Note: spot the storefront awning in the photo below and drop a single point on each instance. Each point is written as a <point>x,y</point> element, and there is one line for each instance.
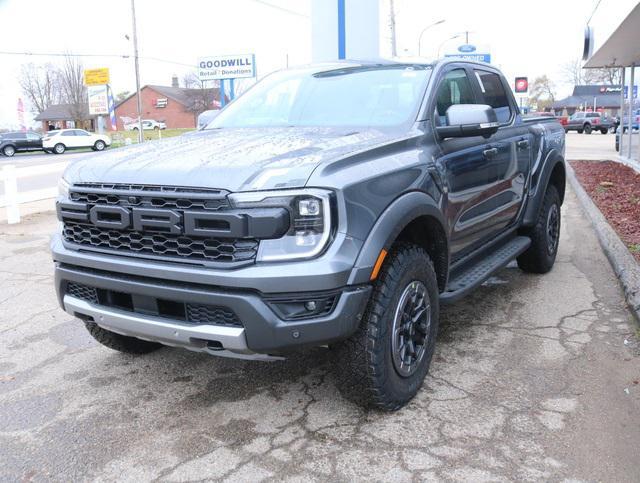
<point>622,49</point>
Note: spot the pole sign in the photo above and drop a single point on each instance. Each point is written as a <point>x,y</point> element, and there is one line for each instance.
<point>96,77</point>
<point>471,52</point>
<point>522,85</point>
<point>227,67</point>
<point>626,92</point>
<point>98,100</point>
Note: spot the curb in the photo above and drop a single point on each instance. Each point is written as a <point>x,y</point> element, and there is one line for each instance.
<point>624,265</point>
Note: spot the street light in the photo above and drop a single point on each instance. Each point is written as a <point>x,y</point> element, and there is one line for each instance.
<point>456,36</point>
<point>423,31</point>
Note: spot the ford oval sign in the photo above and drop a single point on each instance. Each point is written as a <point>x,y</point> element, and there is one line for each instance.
<point>467,48</point>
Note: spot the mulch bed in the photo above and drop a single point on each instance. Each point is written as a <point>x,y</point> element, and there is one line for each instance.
<point>615,189</point>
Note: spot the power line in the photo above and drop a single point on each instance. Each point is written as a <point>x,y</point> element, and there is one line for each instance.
<point>594,11</point>
<point>292,12</point>
<point>70,54</point>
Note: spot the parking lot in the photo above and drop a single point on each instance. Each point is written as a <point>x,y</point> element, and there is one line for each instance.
<point>534,378</point>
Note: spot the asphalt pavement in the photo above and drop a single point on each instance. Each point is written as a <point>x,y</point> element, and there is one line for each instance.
<point>534,378</point>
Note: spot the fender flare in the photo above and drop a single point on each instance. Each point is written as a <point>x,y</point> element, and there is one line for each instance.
<point>533,206</point>
<point>390,223</point>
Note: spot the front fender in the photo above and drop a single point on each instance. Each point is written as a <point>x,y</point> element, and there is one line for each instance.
<point>539,188</point>
<point>390,223</point>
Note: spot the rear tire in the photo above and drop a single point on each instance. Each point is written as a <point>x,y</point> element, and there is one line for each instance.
<point>384,363</point>
<point>545,236</point>
<point>59,148</point>
<point>604,131</point>
<point>580,131</point>
<point>99,145</point>
<point>588,129</point>
<point>120,343</point>
<point>8,151</point>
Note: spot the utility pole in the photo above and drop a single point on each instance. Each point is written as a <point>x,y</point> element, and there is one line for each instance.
<point>392,25</point>
<point>137,65</point>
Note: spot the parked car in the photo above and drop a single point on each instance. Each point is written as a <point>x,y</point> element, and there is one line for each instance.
<point>20,141</point>
<point>635,122</point>
<point>147,125</point>
<point>586,122</point>
<point>59,141</point>
<point>341,212</point>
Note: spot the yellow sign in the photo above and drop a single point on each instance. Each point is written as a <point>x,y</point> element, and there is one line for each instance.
<point>96,77</point>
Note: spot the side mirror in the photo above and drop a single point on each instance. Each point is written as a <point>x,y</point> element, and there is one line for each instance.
<point>467,120</point>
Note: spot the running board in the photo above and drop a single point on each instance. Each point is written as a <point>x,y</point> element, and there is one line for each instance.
<point>476,274</point>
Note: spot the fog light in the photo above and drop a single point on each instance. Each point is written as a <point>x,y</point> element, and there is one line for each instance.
<point>311,305</point>
<point>303,308</point>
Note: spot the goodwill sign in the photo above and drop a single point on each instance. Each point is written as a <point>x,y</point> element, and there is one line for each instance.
<point>227,67</point>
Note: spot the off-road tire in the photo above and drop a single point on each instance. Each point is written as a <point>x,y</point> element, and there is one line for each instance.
<point>121,343</point>
<point>539,258</point>
<point>364,368</point>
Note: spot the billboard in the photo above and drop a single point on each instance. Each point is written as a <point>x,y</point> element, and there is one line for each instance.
<point>98,100</point>
<point>227,67</point>
<point>96,77</point>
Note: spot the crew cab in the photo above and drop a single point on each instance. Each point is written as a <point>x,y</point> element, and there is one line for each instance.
<point>587,122</point>
<point>332,205</point>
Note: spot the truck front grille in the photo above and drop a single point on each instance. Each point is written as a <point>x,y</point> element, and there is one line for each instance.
<point>188,311</point>
<point>155,243</point>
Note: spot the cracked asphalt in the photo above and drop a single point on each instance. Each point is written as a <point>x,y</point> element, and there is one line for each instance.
<point>534,378</point>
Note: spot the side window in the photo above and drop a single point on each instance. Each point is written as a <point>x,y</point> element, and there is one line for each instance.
<point>494,94</point>
<point>454,88</point>
<point>69,133</point>
<point>32,136</point>
<point>19,136</point>
<point>80,132</point>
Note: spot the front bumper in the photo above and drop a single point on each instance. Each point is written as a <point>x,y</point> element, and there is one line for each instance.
<point>262,332</point>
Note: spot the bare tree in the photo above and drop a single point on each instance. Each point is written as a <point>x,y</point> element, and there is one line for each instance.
<point>542,92</point>
<point>72,86</point>
<point>576,75</point>
<point>201,96</point>
<point>40,85</point>
<point>122,95</point>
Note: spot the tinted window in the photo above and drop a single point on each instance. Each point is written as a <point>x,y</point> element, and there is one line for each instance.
<point>68,133</point>
<point>18,135</point>
<point>455,88</point>
<point>33,136</point>
<point>494,94</point>
<point>593,114</point>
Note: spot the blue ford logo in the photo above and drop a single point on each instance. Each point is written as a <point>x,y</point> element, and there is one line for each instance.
<point>467,48</point>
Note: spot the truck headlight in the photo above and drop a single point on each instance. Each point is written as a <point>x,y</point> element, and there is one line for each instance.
<point>310,225</point>
<point>63,188</point>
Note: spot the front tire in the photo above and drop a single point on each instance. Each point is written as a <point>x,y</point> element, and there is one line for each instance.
<point>59,148</point>
<point>604,131</point>
<point>384,363</point>
<point>545,236</point>
<point>9,151</point>
<point>99,145</point>
<point>588,129</point>
<point>120,343</point>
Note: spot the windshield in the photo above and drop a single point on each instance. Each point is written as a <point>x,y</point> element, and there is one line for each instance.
<point>350,96</point>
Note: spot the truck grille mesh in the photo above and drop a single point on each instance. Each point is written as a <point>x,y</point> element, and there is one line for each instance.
<point>151,243</point>
<point>83,292</point>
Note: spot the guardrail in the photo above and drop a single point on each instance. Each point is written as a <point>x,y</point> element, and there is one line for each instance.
<point>12,199</point>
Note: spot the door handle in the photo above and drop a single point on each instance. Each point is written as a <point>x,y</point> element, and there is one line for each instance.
<point>490,153</point>
<point>523,144</point>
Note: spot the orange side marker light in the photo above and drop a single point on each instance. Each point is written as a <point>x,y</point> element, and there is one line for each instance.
<point>378,265</point>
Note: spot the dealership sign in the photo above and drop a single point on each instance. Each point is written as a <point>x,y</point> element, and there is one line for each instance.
<point>98,100</point>
<point>522,85</point>
<point>227,67</point>
<point>96,77</point>
<point>471,52</point>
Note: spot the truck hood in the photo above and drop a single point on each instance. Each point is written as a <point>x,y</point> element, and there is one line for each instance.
<point>243,159</point>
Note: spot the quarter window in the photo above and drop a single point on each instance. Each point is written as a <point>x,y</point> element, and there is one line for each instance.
<point>494,94</point>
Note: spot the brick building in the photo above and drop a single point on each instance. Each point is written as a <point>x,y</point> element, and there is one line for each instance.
<point>178,107</point>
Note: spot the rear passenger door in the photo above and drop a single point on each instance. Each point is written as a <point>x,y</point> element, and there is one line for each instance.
<point>508,165</point>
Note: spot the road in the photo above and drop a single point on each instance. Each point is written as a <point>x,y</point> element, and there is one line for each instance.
<point>534,378</point>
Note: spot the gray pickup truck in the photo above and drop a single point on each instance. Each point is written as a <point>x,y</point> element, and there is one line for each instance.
<point>333,205</point>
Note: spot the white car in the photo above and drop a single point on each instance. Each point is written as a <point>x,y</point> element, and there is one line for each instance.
<point>59,141</point>
<point>147,124</point>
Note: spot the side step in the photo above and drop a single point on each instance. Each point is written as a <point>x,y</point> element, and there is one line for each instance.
<point>476,274</point>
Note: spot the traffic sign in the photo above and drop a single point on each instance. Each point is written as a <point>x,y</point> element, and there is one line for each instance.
<point>96,77</point>
<point>522,85</point>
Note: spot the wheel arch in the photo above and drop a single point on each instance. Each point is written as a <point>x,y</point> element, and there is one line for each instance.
<point>414,217</point>
<point>553,172</point>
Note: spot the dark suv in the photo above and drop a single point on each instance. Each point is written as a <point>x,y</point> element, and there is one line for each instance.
<point>587,122</point>
<point>333,205</point>
<point>13,142</point>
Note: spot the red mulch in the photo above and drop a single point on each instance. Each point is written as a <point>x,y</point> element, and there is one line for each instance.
<point>615,189</point>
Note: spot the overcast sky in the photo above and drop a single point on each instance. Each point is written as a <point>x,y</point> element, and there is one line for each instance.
<point>526,38</point>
